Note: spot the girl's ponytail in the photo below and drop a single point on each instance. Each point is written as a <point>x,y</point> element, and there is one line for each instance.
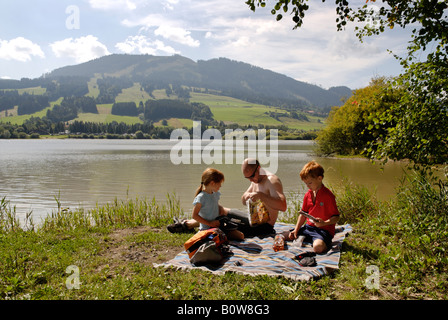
<point>208,176</point>
<point>199,190</point>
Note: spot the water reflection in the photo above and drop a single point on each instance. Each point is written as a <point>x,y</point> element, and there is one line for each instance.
<point>85,172</point>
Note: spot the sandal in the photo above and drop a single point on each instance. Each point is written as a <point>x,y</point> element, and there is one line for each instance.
<point>178,226</point>
<point>307,259</point>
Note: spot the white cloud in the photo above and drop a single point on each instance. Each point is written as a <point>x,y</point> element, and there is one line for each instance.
<point>315,53</point>
<point>143,45</point>
<point>178,35</point>
<point>169,4</point>
<point>113,4</point>
<point>151,20</point>
<point>81,49</point>
<point>165,27</point>
<point>20,49</point>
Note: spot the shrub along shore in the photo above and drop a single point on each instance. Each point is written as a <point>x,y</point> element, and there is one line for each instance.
<point>108,252</point>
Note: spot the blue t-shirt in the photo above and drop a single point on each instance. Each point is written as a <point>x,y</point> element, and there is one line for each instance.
<point>209,207</point>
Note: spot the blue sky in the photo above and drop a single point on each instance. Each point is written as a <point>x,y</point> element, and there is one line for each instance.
<point>38,36</point>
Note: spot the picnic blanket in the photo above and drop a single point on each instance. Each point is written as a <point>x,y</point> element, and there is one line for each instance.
<point>255,256</point>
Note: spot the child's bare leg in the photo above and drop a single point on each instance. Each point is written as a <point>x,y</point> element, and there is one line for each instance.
<point>319,246</point>
<point>235,235</point>
<point>191,224</point>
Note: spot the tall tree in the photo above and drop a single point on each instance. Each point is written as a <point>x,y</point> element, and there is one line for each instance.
<point>420,117</point>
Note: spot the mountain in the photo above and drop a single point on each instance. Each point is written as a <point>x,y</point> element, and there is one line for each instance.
<point>232,78</point>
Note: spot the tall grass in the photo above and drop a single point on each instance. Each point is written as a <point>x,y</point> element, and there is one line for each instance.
<point>422,219</point>
<point>354,201</point>
<point>406,237</point>
<point>9,221</point>
<point>415,221</point>
<point>116,214</point>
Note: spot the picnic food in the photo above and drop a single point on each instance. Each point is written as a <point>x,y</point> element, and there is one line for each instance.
<point>258,213</point>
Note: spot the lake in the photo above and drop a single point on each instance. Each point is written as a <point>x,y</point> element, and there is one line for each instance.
<point>83,173</point>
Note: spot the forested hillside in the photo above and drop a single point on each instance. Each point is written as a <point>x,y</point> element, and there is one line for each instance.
<point>168,91</point>
<point>226,77</point>
<point>232,78</point>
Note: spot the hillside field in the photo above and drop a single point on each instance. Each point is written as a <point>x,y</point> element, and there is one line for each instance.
<point>226,109</point>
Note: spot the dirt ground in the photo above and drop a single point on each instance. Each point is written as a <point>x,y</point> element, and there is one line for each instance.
<point>119,250</point>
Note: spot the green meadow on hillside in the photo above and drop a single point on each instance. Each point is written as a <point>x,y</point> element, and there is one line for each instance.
<point>226,109</point>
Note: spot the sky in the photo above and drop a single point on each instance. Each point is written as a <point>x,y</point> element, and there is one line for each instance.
<point>38,36</point>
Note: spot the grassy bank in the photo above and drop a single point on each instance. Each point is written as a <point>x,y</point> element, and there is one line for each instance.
<point>113,247</point>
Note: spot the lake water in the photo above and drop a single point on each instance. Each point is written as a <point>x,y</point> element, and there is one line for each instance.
<point>83,173</point>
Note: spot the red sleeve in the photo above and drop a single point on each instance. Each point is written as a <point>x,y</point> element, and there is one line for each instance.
<point>333,208</point>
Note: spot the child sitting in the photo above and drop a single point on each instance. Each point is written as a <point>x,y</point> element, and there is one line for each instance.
<point>319,202</point>
<point>206,208</point>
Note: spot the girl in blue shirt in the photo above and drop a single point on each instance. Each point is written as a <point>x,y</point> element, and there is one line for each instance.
<point>206,208</point>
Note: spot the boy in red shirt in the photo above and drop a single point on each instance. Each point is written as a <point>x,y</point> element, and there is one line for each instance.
<point>319,202</point>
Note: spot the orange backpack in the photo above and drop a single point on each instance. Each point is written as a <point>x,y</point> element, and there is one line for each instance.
<point>214,234</point>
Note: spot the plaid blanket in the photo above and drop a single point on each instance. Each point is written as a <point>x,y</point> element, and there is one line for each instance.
<point>255,256</point>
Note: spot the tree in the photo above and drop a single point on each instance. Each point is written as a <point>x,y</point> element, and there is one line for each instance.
<point>429,15</point>
<point>125,109</point>
<point>420,117</point>
<point>139,135</point>
<point>30,104</point>
<point>351,127</point>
